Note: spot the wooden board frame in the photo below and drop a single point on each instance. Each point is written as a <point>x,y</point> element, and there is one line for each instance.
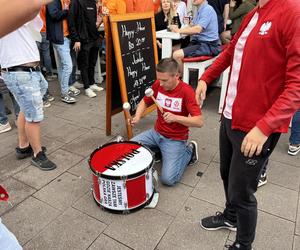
<point>114,19</point>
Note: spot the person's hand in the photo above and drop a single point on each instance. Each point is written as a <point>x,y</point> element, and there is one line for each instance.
<point>253,142</point>
<point>200,94</point>
<point>169,117</point>
<point>134,120</point>
<point>159,44</point>
<point>77,46</point>
<point>174,28</point>
<point>105,11</point>
<point>232,3</point>
<point>99,21</point>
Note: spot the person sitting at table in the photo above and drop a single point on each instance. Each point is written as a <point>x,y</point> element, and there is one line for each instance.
<point>180,8</point>
<point>163,19</point>
<point>178,111</point>
<point>203,31</point>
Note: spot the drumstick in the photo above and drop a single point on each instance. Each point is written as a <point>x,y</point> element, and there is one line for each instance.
<point>127,107</point>
<point>149,93</point>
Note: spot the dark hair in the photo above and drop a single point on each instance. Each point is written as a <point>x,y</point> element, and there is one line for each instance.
<point>238,3</point>
<point>168,65</point>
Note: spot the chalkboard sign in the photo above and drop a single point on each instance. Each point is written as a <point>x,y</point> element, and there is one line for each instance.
<point>136,54</point>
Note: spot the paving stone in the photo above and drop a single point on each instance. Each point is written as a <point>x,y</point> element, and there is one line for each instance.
<point>296,245</point>
<point>8,144</point>
<point>210,187</point>
<point>52,123</point>
<point>185,231</point>
<point>191,174</point>
<point>87,205</point>
<point>171,199</point>
<point>140,230</point>
<point>62,192</point>
<point>82,169</point>
<point>72,230</point>
<point>17,192</point>
<point>29,218</point>
<point>87,143</point>
<point>272,233</point>
<point>297,231</point>
<point>51,144</point>
<point>37,178</point>
<point>106,243</point>
<point>66,132</point>
<point>284,175</point>
<point>9,165</point>
<point>278,201</point>
<point>280,152</point>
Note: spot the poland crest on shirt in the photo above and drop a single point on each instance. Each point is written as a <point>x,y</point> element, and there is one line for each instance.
<point>170,103</point>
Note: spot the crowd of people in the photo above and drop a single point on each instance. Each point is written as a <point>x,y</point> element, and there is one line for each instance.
<point>248,132</point>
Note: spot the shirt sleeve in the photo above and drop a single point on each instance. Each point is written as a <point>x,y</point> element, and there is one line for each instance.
<point>190,102</point>
<point>204,19</point>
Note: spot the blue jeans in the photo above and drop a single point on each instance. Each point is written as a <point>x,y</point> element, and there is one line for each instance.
<point>72,78</point>
<point>3,116</point>
<point>295,130</point>
<point>64,64</point>
<point>28,89</point>
<point>45,53</point>
<point>175,154</point>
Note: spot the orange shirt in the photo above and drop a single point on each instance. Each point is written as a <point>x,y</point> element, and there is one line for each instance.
<point>139,6</point>
<point>43,17</point>
<point>65,21</point>
<point>115,6</point>
<point>156,5</point>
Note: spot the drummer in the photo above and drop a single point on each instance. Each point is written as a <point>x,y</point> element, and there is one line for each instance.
<point>170,133</point>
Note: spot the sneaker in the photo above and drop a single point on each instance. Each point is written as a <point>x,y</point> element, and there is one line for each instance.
<point>90,93</point>
<point>78,85</point>
<point>42,162</point>
<point>217,222</point>
<point>22,153</point>
<point>46,104</point>
<point>5,127</point>
<point>157,157</point>
<point>262,180</point>
<point>68,99</point>
<point>49,97</point>
<point>195,156</point>
<point>73,91</point>
<point>94,87</point>
<point>236,246</point>
<point>7,110</point>
<point>294,149</point>
<point>51,77</point>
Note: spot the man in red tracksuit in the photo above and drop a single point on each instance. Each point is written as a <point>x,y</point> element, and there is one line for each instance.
<point>263,93</point>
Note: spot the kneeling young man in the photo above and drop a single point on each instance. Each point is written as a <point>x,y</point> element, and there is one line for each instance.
<point>170,132</point>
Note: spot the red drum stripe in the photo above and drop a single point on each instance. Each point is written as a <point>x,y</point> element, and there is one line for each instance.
<point>136,191</point>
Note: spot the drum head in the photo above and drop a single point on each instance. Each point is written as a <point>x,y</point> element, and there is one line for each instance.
<point>121,159</point>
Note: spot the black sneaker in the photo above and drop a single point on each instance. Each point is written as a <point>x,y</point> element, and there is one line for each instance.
<point>237,246</point>
<point>217,222</point>
<point>22,153</point>
<point>195,156</point>
<point>42,162</point>
<point>157,157</point>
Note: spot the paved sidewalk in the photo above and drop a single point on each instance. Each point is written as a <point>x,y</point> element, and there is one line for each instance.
<point>55,210</point>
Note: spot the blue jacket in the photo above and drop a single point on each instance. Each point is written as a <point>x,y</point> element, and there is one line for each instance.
<point>54,22</point>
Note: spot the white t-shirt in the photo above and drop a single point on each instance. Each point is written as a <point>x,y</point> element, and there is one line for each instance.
<point>181,10</point>
<point>236,66</point>
<point>19,47</point>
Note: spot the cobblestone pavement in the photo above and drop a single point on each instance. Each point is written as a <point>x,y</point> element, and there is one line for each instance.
<point>56,210</point>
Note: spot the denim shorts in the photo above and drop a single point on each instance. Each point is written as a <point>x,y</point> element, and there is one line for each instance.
<point>201,49</point>
<point>28,89</point>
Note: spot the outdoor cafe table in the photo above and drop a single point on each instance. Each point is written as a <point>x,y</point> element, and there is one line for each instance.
<point>167,39</point>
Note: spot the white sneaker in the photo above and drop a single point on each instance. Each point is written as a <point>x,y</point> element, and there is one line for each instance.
<point>294,149</point>
<point>96,88</point>
<point>90,93</point>
<point>73,91</point>
<point>4,127</point>
<point>78,85</point>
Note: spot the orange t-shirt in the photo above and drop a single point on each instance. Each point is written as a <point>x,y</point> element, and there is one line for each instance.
<point>65,21</point>
<point>156,5</point>
<point>139,6</point>
<point>115,6</point>
<point>43,17</point>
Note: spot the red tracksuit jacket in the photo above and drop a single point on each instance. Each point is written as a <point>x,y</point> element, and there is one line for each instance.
<point>268,89</point>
